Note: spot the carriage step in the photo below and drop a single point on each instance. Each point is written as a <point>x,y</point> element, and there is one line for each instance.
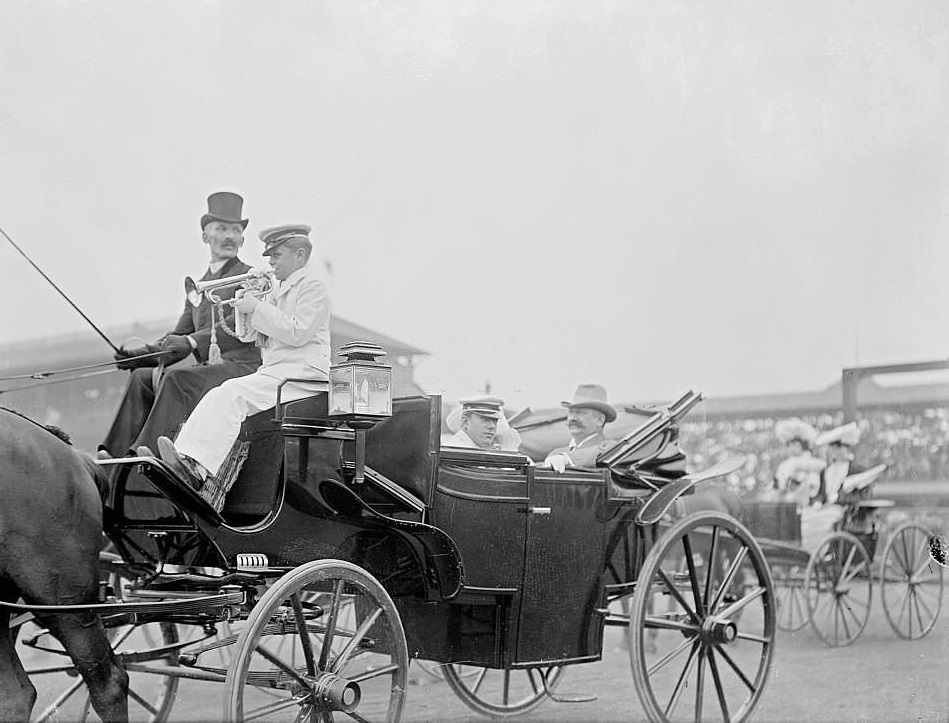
<point>556,698</point>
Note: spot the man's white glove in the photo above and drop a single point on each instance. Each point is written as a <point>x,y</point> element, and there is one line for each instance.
<point>557,462</point>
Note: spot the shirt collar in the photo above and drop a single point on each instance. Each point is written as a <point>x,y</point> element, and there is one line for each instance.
<point>293,278</point>
<point>574,445</point>
<point>215,266</point>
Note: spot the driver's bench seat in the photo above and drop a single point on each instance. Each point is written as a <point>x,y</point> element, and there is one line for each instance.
<point>254,493</point>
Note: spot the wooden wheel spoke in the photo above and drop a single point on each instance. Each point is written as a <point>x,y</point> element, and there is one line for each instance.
<point>285,667</point>
<point>713,555</point>
<point>729,578</point>
<point>270,708</point>
<point>743,602</point>
<point>656,623</point>
<point>304,633</point>
<point>678,596</point>
<point>693,575</point>
<point>668,657</point>
<point>700,683</point>
<point>355,640</point>
<point>142,702</point>
<point>681,682</point>
<point>735,667</point>
<point>331,624</point>
<point>719,686</point>
<point>52,710</point>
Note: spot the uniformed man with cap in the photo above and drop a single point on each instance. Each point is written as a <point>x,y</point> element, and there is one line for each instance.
<point>587,413</point>
<point>291,325</point>
<point>478,422</point>
<point>156,403</point>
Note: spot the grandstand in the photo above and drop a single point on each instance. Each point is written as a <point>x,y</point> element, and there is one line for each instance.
<point>905,426</point>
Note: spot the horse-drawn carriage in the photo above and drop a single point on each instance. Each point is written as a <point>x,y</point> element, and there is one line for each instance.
<point>829,582</point>
<point>346,549</point>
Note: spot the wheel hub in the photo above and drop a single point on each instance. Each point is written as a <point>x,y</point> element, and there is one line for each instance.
<point>334,693</point>
<point>719,631</point>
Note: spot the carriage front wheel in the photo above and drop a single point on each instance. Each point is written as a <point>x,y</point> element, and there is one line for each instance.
<point>702,627</point>
<point>325,642</point>
<point>910,582</point>
<point>839,589</point>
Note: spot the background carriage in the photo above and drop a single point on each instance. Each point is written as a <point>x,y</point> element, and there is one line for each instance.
<point>830,584</point>
<point>350,544</point>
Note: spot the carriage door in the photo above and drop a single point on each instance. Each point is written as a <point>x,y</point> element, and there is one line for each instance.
<point>563,569</point>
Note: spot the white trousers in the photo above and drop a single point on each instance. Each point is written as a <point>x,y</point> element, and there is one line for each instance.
<point>209,433</point>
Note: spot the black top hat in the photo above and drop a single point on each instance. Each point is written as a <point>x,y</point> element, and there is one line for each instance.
<point>224,206</point>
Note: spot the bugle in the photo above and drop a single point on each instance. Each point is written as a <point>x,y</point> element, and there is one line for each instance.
<point>257,282</point>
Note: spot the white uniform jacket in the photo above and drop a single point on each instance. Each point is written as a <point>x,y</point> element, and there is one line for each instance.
<point>292,326</point>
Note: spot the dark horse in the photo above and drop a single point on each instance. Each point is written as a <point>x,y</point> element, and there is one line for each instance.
<point>50,536</point>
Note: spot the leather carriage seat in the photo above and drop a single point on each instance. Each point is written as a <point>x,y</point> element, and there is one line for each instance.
<point>255,489</point>
<point>402,448</point>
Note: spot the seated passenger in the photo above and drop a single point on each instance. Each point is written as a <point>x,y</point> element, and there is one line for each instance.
<point>587,413</point>
<point>479,423</point>
<point>292,327</point>
<point>797,478</point>
<point>838,484</point>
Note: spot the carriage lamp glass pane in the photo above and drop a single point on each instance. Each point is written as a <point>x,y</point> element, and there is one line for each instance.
<point>357,389</point>
<point>373,391</point>
<point>341,390</point>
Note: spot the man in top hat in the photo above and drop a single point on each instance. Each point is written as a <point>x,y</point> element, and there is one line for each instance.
<point>155,403</point>
<point>292,328</point>
<point>479,423</point>
<point>587,413</point>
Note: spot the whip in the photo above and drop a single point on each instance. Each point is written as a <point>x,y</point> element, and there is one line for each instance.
<point>88,320</point>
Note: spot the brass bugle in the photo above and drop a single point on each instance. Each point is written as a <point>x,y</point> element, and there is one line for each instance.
<point>260,280</point>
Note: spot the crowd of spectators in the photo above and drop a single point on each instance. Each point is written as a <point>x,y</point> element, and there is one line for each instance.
<point>911,442</point>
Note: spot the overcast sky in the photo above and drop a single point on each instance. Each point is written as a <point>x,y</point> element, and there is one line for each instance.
<point>736,196</point>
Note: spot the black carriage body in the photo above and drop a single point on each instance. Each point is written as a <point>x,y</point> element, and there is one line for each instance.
<point>489,559</point>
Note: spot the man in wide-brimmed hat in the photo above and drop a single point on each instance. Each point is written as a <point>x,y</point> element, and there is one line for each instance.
<point>587,413</point>
<point>158,399</point>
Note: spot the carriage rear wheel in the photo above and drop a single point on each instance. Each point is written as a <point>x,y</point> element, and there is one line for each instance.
<point>502,693</point>
<point>789,593</point>
<point>910,582</point>
<point>839,589</point>
<point>62,693</point>
<point>702,635</point>
<point>324,642</point>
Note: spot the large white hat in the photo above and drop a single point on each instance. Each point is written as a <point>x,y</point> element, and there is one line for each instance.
<point>847,434</point>
<point>787,430</point>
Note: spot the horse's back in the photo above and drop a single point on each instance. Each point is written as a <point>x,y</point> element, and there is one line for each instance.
<point>51,516</point>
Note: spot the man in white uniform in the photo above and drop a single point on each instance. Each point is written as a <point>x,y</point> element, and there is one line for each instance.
<point>480,426</point>
<point>479,422</point>
<point>292,327</point>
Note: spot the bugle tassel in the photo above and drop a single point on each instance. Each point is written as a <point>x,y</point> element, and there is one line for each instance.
<point>214,351</point>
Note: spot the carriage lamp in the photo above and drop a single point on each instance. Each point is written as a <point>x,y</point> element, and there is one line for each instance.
<point>360,393</point>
